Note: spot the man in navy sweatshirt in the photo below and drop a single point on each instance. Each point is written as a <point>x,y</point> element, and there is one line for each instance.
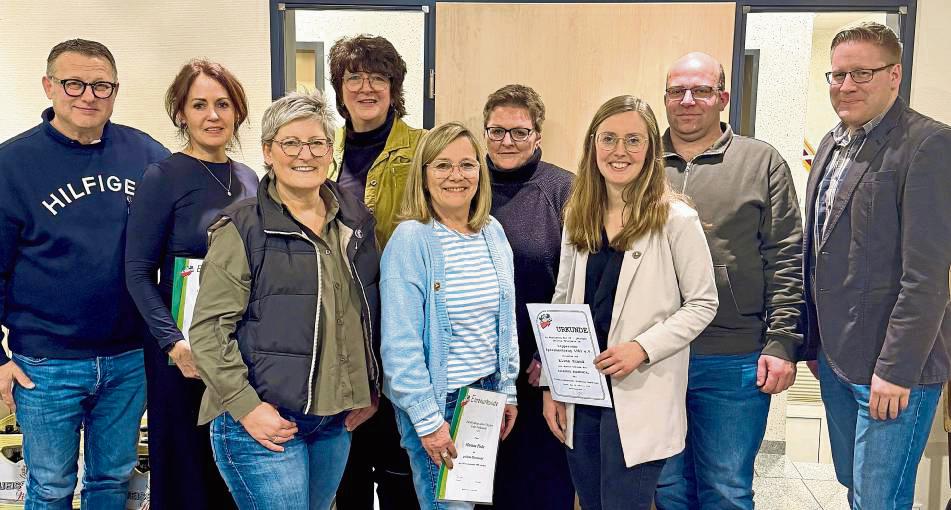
<point>65,188</point>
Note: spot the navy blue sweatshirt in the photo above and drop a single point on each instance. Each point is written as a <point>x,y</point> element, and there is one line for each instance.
<point>528,202</point>
<point>63,208</point>
<point>177,200</point>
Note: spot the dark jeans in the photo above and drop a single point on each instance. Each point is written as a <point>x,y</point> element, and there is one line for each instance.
<point>182,470</point>
<point>602,479</point>
<point>377,457</point>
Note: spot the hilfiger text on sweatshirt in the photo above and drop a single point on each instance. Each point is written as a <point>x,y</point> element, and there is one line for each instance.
<point>71,192</point>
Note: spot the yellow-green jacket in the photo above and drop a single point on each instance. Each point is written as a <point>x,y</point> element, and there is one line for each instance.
<point>386,180</point>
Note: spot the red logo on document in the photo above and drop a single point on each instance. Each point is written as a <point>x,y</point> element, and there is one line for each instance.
<point>544,320</point>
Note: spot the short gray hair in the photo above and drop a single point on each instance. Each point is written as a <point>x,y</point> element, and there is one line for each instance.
<point>297,106</point>
<point>86,48</point>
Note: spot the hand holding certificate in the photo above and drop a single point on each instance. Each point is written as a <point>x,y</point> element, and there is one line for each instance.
<point>185,291</point>
<point>185,274</point>
<point>476,426</point>
<point>568,344</point>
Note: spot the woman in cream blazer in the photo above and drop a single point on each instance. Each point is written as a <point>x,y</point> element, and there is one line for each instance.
<point>636,240</point>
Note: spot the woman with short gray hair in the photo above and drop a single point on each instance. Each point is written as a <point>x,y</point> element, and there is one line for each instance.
<point>285,330</point>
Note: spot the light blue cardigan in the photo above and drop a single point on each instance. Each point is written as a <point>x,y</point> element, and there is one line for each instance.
<point>415,323</point>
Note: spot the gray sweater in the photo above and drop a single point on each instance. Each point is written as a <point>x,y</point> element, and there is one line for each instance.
<point>744,193</point>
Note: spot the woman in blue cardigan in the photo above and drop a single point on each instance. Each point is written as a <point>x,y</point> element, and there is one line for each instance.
<point>448,302</point>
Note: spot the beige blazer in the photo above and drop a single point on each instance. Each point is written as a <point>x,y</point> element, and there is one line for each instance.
<point>666,295</point>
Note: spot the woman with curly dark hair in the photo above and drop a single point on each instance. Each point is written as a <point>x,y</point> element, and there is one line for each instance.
<point>372,155</point>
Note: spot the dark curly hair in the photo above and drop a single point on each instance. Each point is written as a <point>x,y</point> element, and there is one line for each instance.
<point>368,54</point>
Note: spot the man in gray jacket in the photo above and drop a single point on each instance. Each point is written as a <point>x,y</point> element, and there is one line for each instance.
<point>744,193</point>
<point>877,251</point>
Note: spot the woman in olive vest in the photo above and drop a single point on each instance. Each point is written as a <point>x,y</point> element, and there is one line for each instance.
<point>285,329</point>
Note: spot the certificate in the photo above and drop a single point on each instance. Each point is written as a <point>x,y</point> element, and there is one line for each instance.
<point>567,343</point>
<point>476,425</point>
<point>185,291</point>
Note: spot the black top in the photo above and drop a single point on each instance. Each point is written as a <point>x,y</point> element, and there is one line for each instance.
<point>528,202</point>
<point>600,286</point>
<point>360,150</point>
<point>175,203</point>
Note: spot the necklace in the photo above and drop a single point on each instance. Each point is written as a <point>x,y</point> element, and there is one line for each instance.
<point>230,175</point>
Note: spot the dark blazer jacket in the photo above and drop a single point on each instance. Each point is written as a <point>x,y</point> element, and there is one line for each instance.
<point>879,302</point>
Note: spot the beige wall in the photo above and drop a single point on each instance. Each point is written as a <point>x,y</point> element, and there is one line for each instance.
<point>575,55</point>
<point>150,40</point>
<point>931,76</point>
<point>931,95</point>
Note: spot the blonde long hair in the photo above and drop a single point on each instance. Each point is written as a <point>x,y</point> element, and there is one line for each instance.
<point>647,198</point>
<point>417,202</point>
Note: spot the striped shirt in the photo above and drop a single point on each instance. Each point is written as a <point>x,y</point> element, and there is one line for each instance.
<point>472,301</point>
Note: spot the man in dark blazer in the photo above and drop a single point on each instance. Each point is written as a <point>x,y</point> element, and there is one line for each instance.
<point>877,249</point>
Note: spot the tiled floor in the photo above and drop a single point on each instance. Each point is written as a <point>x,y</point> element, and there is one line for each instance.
<point>780,484</point>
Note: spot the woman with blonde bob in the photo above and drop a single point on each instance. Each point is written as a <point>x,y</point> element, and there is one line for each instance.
<point>635,252</point>
<point>448,302</point>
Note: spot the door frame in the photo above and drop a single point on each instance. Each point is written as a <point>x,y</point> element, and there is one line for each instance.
<point>907,13</point>
<point>278,9</point>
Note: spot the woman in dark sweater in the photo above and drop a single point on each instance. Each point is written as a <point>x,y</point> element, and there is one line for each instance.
<point>175,202</point>
<point>528,196</point>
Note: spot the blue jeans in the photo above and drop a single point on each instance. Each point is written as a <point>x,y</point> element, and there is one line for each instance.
<point>304,476</point>
<point>726,422</point>
<point>104,396</point>
<point>425,471</point>
<point>598,470</point>
<point>877,460</point>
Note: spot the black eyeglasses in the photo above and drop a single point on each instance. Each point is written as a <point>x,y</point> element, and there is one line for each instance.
<point>858,75</point>
<point>293,147</point>
<point>497,134</point>
<point>76,88</point>
<point>701,92</point>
